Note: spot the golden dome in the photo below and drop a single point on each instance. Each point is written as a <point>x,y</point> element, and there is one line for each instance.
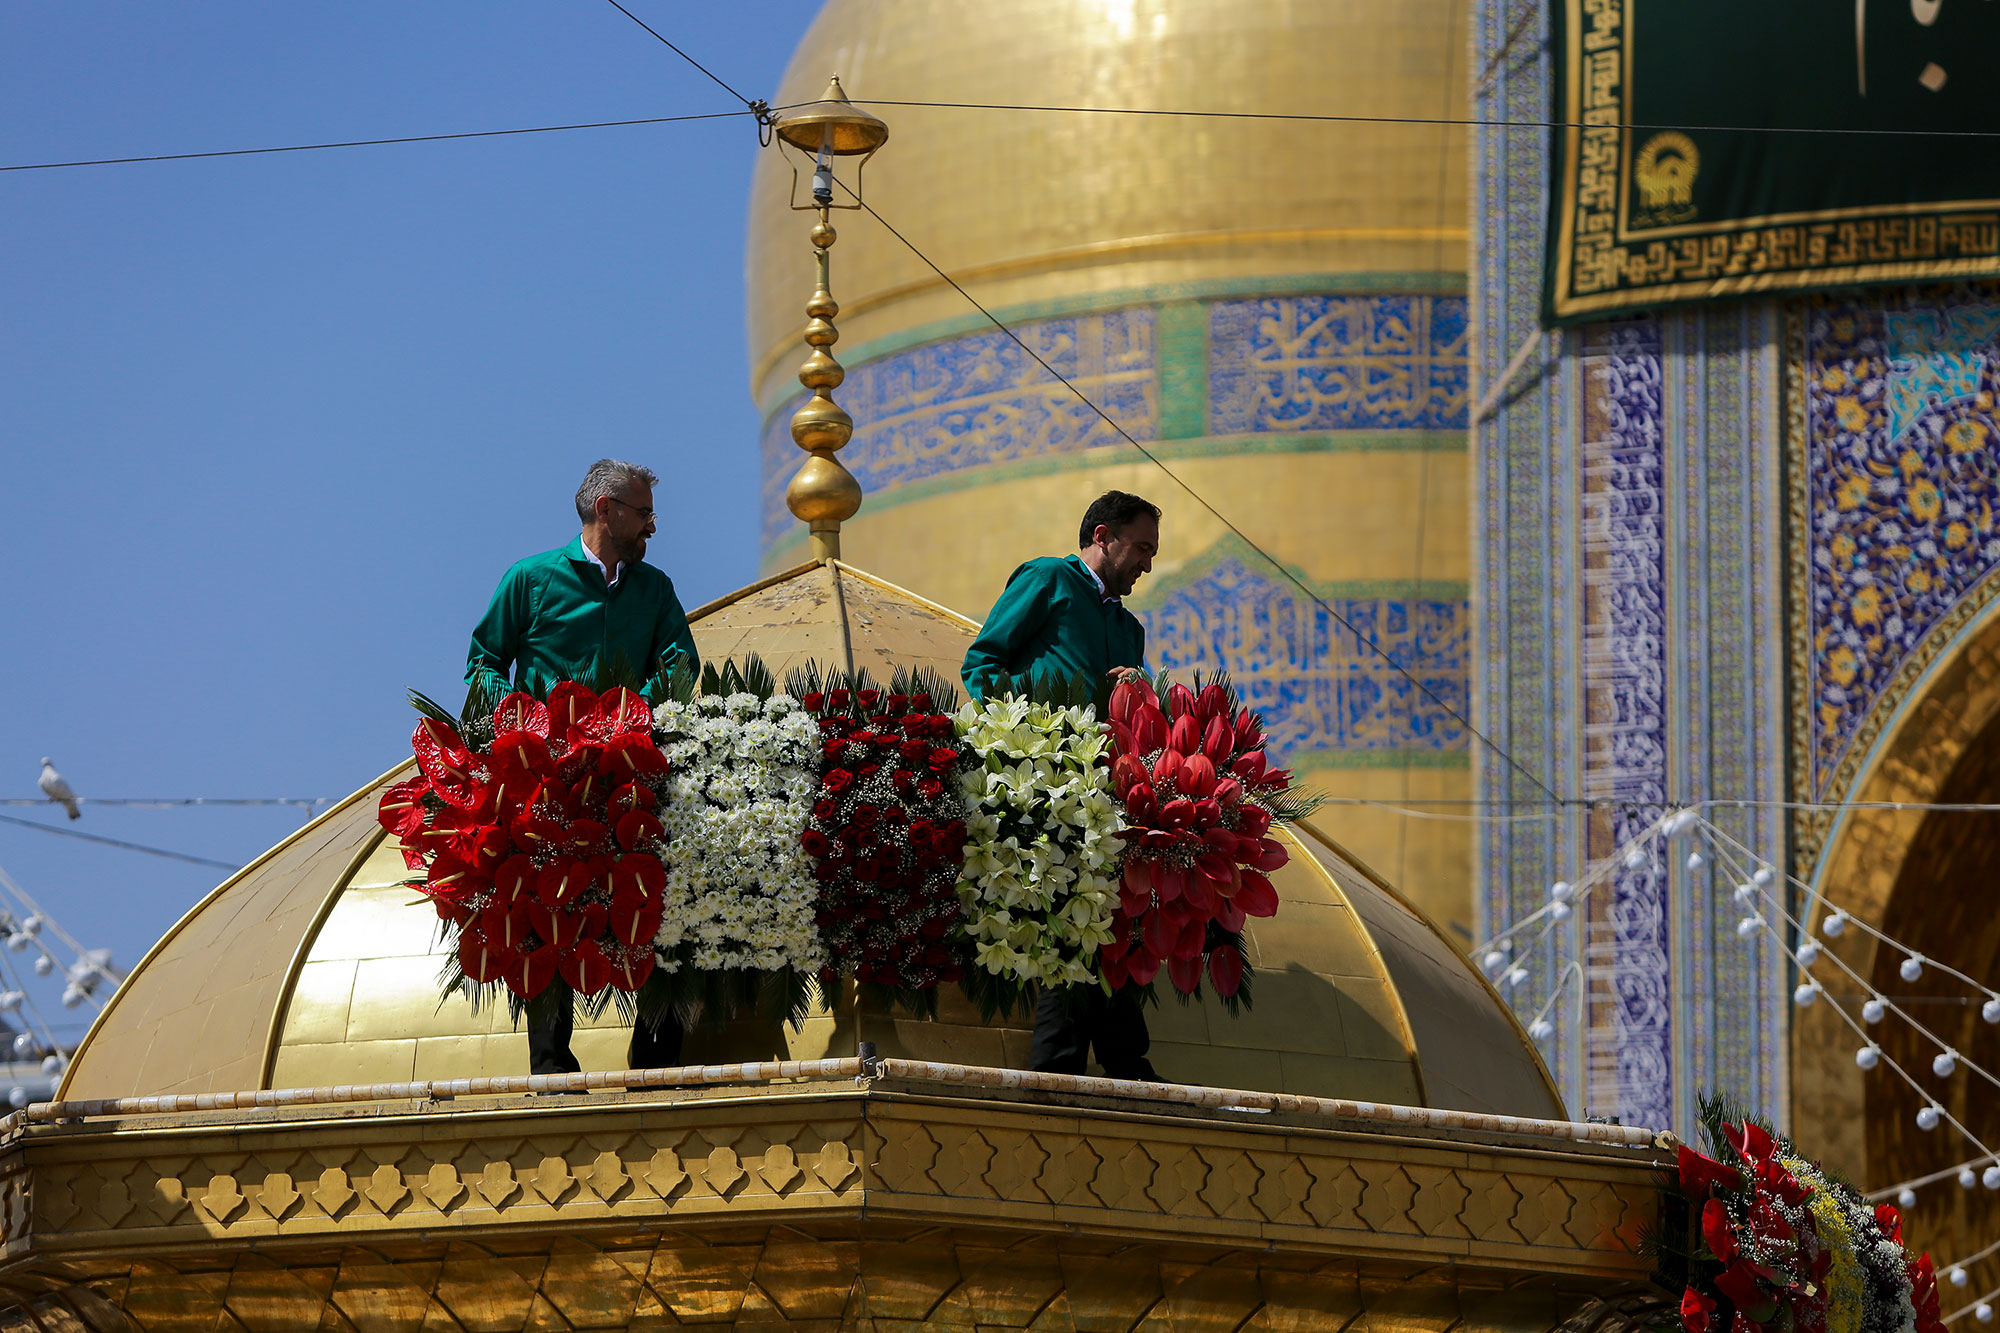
<point>313,966</point>
<point>1025,206</point>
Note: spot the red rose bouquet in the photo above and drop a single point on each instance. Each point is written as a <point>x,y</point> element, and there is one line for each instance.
<point>538,844</point>
<point>886,832</point>
<point>1200,797</point>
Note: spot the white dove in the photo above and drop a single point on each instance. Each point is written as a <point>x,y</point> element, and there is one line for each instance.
<point>57,790</point>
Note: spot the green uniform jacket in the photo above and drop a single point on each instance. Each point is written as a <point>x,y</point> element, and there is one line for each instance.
<point>1052,621</point>
<point>553,619</point>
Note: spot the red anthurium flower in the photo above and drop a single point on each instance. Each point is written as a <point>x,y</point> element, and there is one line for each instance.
<point>586,835</point>
<point>1225,969</point>
<point>1187,948</point>
<point>631,967</point>
<point>1924,1295</point>
<point>1249,767</point>
<point>559,881</point>
<point>1702,1176</point>
<point>1272,857</point>
<point>442,755</point>
<point>1257,896</point>
<point>1184,737</point>
<point>1718,1232</point>
<point>630,755</point>
<point>641,873</point>
<point>1890,1219</point>
<point>569,704</point>
<point>584,966</point>
<point>486,847</point>
<point>621,712</point>
<point>580,765</point>
<point>1142,965</point>
<point>522,713</point>
<point>533,973</point>
<point>482,959</point>
<point>1217,741</point>
<point>1201,895</point>
<point>1199,781</point>
<point>1185,973</point>
<point>1696,1309</point>
<point>1159,934</point>
<point>521,755</point>
<point>402,808</point>
<point>632,796</point>
<point>594,919</point>
<point>454,877</point>
<point>1168,770</point>
<point>1229,914</point>
<point>1180,701</point>
<point>638,829</point>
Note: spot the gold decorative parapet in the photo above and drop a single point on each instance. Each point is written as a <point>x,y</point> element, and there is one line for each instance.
<point>932,1194</point>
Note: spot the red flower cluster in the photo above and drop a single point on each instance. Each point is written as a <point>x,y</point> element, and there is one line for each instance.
<point>1191,776</point>
<point>542,849</point>
<point>887,837</point>
<point>1770,1264</point>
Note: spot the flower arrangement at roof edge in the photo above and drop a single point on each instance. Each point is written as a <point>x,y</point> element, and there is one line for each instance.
<point>538,843</point>
<point>1762,1240</point>
<point>1041,865</point>
<point>887,831</point>
<point>1199,796</point>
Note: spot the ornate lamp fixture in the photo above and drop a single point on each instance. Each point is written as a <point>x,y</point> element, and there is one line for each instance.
<point>823,492</point>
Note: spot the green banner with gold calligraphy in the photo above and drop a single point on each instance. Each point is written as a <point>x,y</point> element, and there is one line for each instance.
<point>1712,148</point>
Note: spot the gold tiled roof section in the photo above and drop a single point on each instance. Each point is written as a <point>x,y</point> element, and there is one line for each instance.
<point>836,616</point>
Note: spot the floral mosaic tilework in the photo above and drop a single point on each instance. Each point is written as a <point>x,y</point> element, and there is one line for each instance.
<point>980,399</point>
<point>1902,451</point>
<point>1316,685</point>
<point>1338,363</point>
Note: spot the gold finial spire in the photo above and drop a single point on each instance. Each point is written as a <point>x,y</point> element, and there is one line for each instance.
<point>823,492</point>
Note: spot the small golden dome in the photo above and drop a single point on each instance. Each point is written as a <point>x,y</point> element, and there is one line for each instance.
<point>1026,206</point>
<point>315,966</point>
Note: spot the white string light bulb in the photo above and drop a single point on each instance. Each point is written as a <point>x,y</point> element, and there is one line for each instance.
<point>1945,1064</point>
<point>1805,993</point>
<point>1561,891</point>
<point>1541,1029</point>
<point>1868,1057</point>
<point>1872,1010</point>
<point>1696,861</point>
<point>1927,1116</point>
<point>1906,1199</point>
<point>1765,877</point>
<point>1494,960</point>
<point>1912,967</point>
<point>1516,976</point>
<point>1745,893</point>
<point>1983,1313</point>
<point>44,965</point>
<point>1808,953</point>
<point>1558,911</point>
<point>1967,1178</point>
<point>1959,1277</point>
<point>1636,859</point>
<point>1990,1177</point>
<point>52,1064</point>
<point>1749,926</point>
<point>23,1043</point>
<point>1990,1011</point>
<point>1834,925</point>
<point>18,941</point>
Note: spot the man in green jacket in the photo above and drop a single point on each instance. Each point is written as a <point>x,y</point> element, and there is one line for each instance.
<point>1065,617</point>
<point>560,615</point>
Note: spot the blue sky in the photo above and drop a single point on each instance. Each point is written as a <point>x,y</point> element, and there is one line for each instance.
<point>274,425</point>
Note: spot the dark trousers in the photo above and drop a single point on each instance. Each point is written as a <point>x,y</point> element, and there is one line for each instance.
<point>1068,1026</point>
<point>552,1021</point>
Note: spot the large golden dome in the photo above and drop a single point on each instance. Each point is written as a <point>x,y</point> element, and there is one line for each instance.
<point>1026,207</point>
<point>1275,309</point>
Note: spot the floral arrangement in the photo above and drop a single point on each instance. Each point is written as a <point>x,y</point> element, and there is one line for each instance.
<point>886,832</point>
<point>538,844</point>
<point>1774,1242</point>
<point>740,891</point>
<point>1040,888</point>
<point>1200,798</point>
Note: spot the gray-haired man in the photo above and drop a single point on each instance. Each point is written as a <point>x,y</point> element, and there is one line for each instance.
<point>555,617</point>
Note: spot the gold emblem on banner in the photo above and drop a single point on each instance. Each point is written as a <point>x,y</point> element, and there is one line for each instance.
<point>1664,171</point>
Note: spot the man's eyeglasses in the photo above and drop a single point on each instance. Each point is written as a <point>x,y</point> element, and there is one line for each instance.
<point>646,514</point>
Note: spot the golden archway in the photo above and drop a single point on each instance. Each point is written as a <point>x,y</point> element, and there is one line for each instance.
<point>1922,877</point>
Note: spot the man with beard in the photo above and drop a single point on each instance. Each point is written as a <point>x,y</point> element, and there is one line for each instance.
<point>560,616</point>
<point>1064,618</point>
